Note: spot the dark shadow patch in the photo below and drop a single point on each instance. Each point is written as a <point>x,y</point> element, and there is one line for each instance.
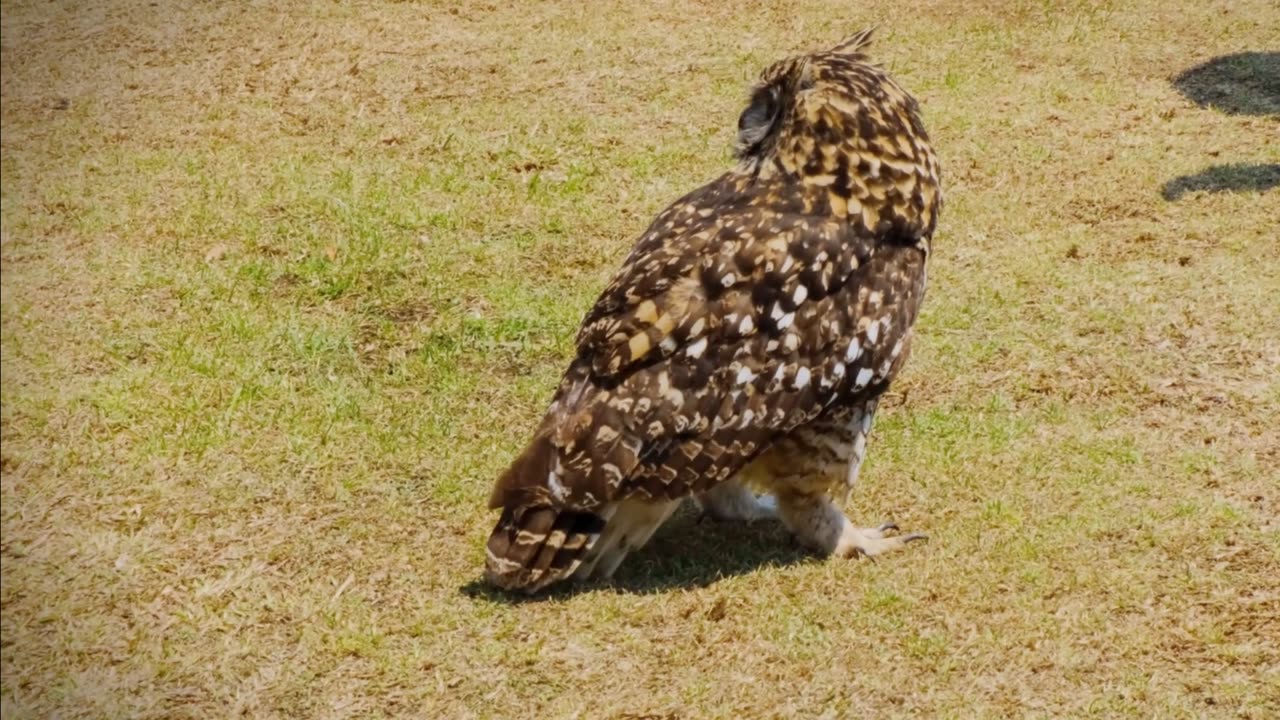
<point>1224,178</point>
<point>1246,83</point>
<point>685,553</point>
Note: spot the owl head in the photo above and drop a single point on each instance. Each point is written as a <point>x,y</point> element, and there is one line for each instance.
<point>834,120</point>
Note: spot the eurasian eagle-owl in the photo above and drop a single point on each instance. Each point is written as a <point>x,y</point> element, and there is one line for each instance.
<point>746,340</point>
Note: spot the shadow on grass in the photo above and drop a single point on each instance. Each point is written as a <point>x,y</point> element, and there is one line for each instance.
<point>1245,83</point>
<point>1224,178</point>
<point>685,553</point>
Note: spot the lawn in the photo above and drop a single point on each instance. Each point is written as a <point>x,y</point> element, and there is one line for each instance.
<point>286,285</point>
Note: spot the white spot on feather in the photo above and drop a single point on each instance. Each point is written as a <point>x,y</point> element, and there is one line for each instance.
<point>801,293</point>
<point>612,474</point>
<point>728,280</point>
<point>873,332</point>
<point>785,321</point>
<point>747,325</point>
<point>695,350</point>
<point>853,352</point>
<point>802,378</point>
<point>745,376</point>
<point>864,377</point>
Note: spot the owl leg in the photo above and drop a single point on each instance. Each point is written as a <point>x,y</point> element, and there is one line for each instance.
<point>731,501</point>
<point>819,524</point>
<point>859,428</point>
<point>629,528</point>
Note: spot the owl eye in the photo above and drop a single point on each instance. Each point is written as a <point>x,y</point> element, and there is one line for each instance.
<point>758,119</point>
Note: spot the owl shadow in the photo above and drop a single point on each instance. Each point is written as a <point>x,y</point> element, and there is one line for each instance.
<point>687,552</point>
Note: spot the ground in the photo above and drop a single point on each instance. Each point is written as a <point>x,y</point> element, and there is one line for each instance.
<point>286,285</point>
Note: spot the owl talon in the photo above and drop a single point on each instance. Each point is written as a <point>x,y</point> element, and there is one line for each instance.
<point>870,542</point>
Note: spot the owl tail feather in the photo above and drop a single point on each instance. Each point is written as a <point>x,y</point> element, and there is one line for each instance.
<point>534,546</point>
<point>537,540</point>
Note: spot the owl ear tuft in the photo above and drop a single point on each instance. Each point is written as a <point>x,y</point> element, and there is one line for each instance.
<point>805,80</point>
<point>855,43</point>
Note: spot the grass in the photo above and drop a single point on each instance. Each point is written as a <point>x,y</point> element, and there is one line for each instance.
<point>285,286</point>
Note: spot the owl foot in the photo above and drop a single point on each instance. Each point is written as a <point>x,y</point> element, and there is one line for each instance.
<point>819,524</point>
<point>872,541</point>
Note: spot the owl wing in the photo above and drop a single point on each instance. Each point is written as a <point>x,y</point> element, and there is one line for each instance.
<point>715,266</point>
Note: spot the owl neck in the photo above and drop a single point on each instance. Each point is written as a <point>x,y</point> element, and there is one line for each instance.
<point>887,198</point>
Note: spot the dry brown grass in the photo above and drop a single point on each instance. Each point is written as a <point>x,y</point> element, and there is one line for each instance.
<point>285,285</point>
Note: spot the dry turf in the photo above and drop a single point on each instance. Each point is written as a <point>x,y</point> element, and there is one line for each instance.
<point>286,285</point>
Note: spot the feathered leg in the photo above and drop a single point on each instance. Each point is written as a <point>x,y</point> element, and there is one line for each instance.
<point>805,468</point>
<point>731,501</point>
<point>629,528</point>
<point>820,525</point>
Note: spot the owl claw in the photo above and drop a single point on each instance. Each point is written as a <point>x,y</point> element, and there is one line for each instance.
<point>870,542</point>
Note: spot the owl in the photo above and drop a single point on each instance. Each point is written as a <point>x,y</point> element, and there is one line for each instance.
<point>738,355</point>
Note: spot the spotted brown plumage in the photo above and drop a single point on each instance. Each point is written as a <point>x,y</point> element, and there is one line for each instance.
<point>745,340</point>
